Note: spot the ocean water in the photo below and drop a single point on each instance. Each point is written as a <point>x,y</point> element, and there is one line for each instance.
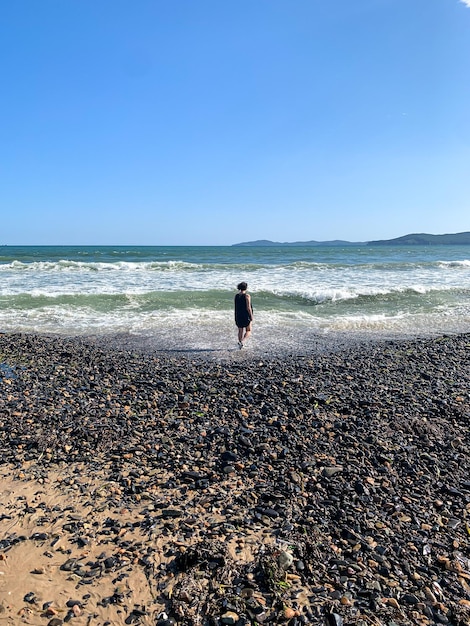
<point>181,298</point>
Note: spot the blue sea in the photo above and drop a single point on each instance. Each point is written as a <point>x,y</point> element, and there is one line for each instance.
<point>181,298</point>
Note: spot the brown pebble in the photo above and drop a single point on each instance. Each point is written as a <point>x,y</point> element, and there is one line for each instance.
<point>230,617</point>
<point>50,611</point>
<point>430,596</point>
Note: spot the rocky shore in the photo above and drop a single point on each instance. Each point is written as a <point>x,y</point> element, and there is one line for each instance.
<point>140,488</point>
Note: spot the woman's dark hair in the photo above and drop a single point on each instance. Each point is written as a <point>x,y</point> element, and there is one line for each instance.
<point>242,286</point>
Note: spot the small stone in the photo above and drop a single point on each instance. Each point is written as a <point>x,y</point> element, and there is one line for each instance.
<point>289,613</point>
<point>334,619</point>
<point>285,559</point>
<point>39,536</point>
<point>171,513</point>
<point>430,596</point>
<point>184,596</point>
<point>453,523</point>
<point>328,472</point>
<point>49,611</point>
<point>110,562</point>
<point>82,542</point>
<point>71,603</point>
<point>409,598</point>
<point>375,585</point>
<point>228,457</point>
<point>70,565</point>
<point>230,617</point>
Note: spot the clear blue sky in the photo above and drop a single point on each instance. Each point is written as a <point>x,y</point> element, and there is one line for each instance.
<point>210,122</point>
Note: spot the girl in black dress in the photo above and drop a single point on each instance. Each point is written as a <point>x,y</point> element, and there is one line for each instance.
<point>243,313</point>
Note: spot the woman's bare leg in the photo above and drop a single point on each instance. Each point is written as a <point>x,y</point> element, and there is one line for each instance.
<point>247,332</point>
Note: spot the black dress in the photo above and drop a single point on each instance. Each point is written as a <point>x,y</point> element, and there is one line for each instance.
<point>242,315</point>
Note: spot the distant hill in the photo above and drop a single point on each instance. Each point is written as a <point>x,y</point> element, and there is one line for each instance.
<point>266,242</point>
<point>421,239</point>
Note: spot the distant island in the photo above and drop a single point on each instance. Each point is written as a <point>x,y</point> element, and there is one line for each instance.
<point>421,239</point>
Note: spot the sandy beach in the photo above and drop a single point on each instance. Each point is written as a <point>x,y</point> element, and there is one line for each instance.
<point>148,488</point>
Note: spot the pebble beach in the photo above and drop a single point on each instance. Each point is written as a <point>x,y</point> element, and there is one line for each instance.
<point>141,487</point>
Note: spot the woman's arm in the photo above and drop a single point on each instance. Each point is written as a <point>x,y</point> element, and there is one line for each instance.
<point>248,306</point>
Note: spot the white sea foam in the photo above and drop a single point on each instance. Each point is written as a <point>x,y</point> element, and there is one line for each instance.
<point>464,264</point>
<point>190,300</point>
<point>190,324</point>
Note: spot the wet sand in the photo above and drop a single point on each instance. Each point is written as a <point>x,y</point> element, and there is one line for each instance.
<point>148,487</point>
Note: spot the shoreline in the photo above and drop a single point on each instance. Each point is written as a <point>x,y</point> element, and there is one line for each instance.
<point>262,344</point>
<point>144,487</point>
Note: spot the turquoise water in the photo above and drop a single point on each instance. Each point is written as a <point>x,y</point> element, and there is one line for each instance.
<point>183,296</point>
